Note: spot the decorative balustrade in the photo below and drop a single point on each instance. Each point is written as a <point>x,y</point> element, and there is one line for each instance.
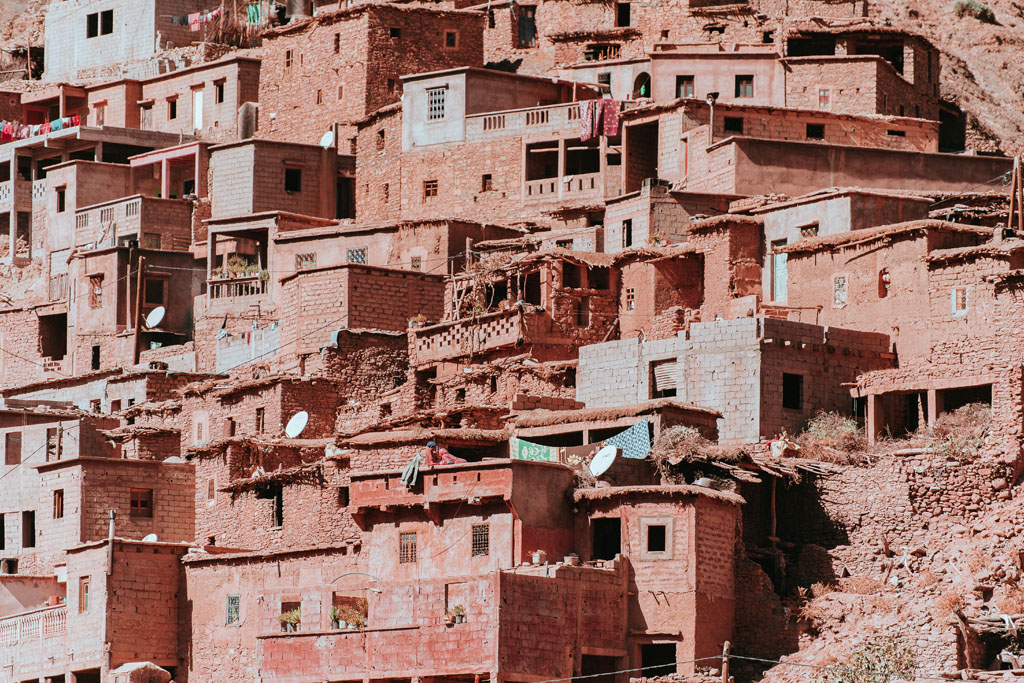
<point>237,287</point>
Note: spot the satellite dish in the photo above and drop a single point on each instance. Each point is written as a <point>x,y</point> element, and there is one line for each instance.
<point>603,460</point>
<point>327,139</point>
<point>155,317</point>
<point>705,482</point>
<point>296,424</point>
<point>222,334</point>
<point>149,538</point>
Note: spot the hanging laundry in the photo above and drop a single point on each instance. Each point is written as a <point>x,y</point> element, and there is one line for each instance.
<point>586,119</point>
<point>76,120</point>
<point>527,450</point>
<point>44,128</point>
<point>7,132</point>
<point>195,21</point>
<point>23,131</point>
<point>209,16</point>
<point>254,12</point>
<point>36,129</point>
<point>635,442</point>
<point>610,114</point>
<point>57,124</point>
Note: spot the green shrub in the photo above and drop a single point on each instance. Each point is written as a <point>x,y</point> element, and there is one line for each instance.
<point>973,8</point>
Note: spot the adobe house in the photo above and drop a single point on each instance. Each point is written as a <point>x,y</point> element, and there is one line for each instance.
<point>761,374</point>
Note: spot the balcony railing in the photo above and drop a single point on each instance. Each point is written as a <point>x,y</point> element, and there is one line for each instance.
<point>32,627</point>
<point>237,287</point>
<point>547,189</point>
<point>556,117</point>
<point>157,223</point>
<point>464,337</point>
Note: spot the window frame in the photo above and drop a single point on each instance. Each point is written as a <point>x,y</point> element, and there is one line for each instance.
<point>233,607</point>
<point>437,103</point>
<point>140,503</point>
<point>407,547</point>
<point>480,540</point>
<point>645,524</point>
<point>58,504</point>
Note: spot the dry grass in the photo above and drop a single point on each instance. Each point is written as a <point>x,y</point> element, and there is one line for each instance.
<point>1012,602</point>
<point>962,434</point>
<point>831,437</point>
<point>944,605</point>
<point>819,589</point>
<point>927,578</point>
<point>862,585</point>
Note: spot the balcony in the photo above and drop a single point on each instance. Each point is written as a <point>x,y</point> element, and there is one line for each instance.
<point>237,287</point>
<point>557,118</point>
<point>162,223</point>
<point>586,186</point>
<point>441,484</point>
<point>466,337</point>
<point>34,643</point>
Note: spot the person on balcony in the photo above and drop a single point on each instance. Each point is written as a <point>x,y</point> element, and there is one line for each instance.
<point>439,455</point>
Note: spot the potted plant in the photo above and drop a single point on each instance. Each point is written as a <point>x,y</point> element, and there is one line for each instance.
<point>337,617</point>
<point>290,620</point>
<point>355,618</point>
<point>459,612</point>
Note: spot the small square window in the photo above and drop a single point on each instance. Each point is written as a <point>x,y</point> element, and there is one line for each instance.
<point>141,503</point>
<point>395,32</point>
<point>293,179</point>
<point>824,98</point>
<point>416,263</point>
<point>792,391</point>
<point>155,290</point>
<point>684,86</point>
<point>897,133</point>
<point>429,189</point>
<point>451,39</point>
<point>656,538</point>
<point>745,86</point>
<point>407,548</point>
<point>809,230</point>
<point>486,182</point>
<point>481,540</point>
<point>356,255</point>
<point>733,124</point>
<point>234,610</point>
<point>630,299</point>
<point>150,240</point>
<point>604,78</point>
<point>436,98</point>
<point>343,497</point>
<point>305,261</point>
<point>106,22</point>
<point>961,301</point>
<point>815,131</point>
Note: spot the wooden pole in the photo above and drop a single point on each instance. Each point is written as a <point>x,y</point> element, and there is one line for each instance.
<point>1020,194</point>
<point>1013,192</point>
<point>725,662</point>
<point>138,311</point>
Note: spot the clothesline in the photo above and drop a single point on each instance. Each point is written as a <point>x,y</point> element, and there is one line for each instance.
<point>599,117</point>
<point>12,130</point>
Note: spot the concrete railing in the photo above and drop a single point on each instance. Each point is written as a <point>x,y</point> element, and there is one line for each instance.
<point>237,287</point>
<point>157,223</point>
<point>546,189</point>
<point>31,627</point>
<point>519,121</point>
<point>463,337</point>
<point>33,643</point>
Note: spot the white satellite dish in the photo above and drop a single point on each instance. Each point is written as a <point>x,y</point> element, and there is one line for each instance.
<point>155,317</point>
<point>705,482</point>
<point>149,538</point>
<point>296,424</point>
<point>222,334</point>
<point>327,139</point>
<point>603,460</point>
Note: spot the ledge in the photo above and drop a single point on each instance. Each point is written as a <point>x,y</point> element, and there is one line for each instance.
<point>335,632</point>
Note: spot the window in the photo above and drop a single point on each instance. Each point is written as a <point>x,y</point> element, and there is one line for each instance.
<point>260,419</point>
<point>83,595</point>
<point>429,189</point>
<point>684,86</point>
<point>395,32</point>
<point>379,140</point>
<point>233,611</point>
<point>319,96</point>
<point>733,124</point>
<point>155,290</point>
<point>490,18</point>
<point>96,291</point>
<point>622,14</point>
<point>211,488</point>
<point>744,86</point>
<point>12,448</point>
<point>304,261</point>
<point>96,357</point>
<point>486,182</point>
<point>92,25</point>
<point>527,26</point>
<point>884,280</point>
<point>106,22</point>
<point>656,538</point>
<point>451,39</point>
<point>337,43</point>
<point>100,114</point>
<point>356,255</point>
<point>627,233</point>
<point>961,301</point>
<point>95,405</point>
<point>293,179</point>
<point>146,117</point>
<point>274,493</point>
<point>52,444</point>
<point>481,540</point>
<point>58,504</point>
<point>197,109</point>
<point>343,496</point>
<point>28,529</point>
<point>61,199</point>
<point>630,299</point>
<point>341,93</point>
<point>172,109</point>
<point>663,378</point>
<point>385,192</point>
<point>809,230</point>
<point>416,263</point>
<point>604,78</point>
<point>824,98</point>
<point>435,103</point>
<point>839,291</point>
<point>142,502</point>
<point>218,92</point>
<point>392,84</point>
<point>150,240</point>
<point>288,59</point>
<point>407,548</point>
<point>815,131</point>
<point>897,133</point>
<point>792,391</point>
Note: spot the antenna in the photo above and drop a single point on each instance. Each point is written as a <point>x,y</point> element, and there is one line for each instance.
<point>155,317</point>
<point>296,424</point>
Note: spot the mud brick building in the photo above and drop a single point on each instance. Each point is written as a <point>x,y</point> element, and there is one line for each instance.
<point>357,58</point>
